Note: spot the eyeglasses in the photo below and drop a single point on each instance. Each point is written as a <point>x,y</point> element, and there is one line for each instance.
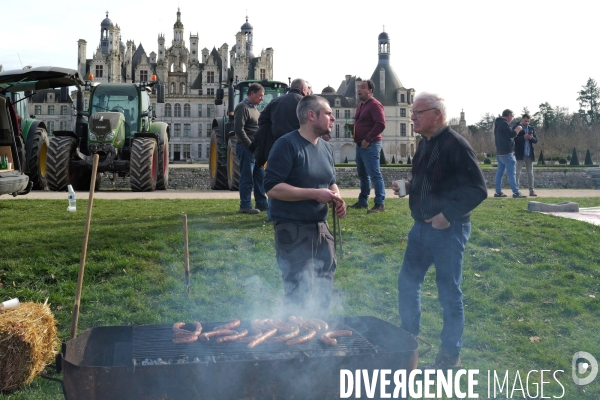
<point>418,113</point>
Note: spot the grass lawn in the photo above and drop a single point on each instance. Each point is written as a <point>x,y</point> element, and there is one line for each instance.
<point>531,282</point>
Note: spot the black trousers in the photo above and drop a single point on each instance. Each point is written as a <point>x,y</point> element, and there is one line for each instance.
<point>306,258</point>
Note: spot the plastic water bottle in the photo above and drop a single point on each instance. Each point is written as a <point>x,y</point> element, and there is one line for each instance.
<point>72,198</point>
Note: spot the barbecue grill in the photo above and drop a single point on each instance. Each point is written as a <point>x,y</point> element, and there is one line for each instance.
<point>141,362</point>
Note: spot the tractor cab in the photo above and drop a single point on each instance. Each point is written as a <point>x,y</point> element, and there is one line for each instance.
<point>273,89</point>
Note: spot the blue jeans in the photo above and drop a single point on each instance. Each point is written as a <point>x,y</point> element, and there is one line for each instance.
<point>507,163</point>
<point>250,177</point>
<point>367,166</point>
<point>444,248</point>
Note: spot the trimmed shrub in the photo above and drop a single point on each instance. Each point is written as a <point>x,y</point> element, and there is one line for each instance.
<point>574,160</point>
<point>393,159</point>
<point>346,160</point>
<point>487,161</point>
<point>541,160</point>
<point>408,161</point>
<point>588,158</point>
<point>562,160</point>
<point>382,160</point>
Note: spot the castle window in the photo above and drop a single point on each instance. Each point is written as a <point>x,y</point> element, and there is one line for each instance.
<point>186,130</point>
<point>208,129</point>
<point>210,110</point>
<point>402,129</point>
<point>38,110</point>
<point>186,110</point>
<point>347,114</point>
<point>50,110</point>
<point>182,91</point>
<point>172,87</point>
<point>177,110</point>
<point>412,130</point>
<point>337,130</point>
<point>337,103</point>
<point>210,91</point>
<point>200,110</point>
<point>99,71</point>
<point>63,125</point>
<point>199,151</point>
<point>143,76</point>
<point>403,112</point>
<point>263,74</point>
<point>50,126</point>
<point>337,114</point>
<point>63,110</point>
<point>167,110</point>
<point>177,130</point>
<point>186,151</point>
<point>402,99</point>
<point>210,77</point>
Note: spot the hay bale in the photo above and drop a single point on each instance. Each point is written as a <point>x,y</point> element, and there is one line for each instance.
<point>28,342</point>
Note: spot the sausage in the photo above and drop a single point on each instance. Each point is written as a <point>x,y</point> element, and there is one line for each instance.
<point>328,337</point>
<point>179,332</point>
<point>258,324</point>
<point>324,325</point>
<point>184,333</point>
<point>187,339</point>
<point>262,338</point>
<point>234,323</point>
<point>302,339</point>
<point>282,338</point>
<point>231,338</point>
<point>312,324</point>
<point>248,339</point>
<point>178,326</point>
<point>205,337</point>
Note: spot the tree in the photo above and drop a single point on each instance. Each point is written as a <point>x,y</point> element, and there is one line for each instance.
<point>541,160</point>
<point>346,160</point>
<point>382,160</point>
<point>589,99</point>
<point>393,159</point>
<point>588,158</point>
<point>545,116</point>
<point>408,161</point>
<point>574,160</point>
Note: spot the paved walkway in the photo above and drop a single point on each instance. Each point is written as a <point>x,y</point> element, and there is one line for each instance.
<point>226,194</point>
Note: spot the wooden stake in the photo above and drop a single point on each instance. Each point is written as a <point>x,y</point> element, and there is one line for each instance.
<point>86,235</point>
<point>186,249</point>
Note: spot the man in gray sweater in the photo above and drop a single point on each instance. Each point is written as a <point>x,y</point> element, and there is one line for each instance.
<point>251,175</point>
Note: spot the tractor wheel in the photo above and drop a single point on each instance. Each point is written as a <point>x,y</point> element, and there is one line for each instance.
<point>57,162</point>
<point>217,172</point>
<point>162,181</point>
<point>36,162</point>
<point>81,179</point>
<point>233,165</point>
<point>143,165</point>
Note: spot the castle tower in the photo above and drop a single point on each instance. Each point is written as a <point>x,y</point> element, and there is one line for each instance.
<point>161,47</point>
<point>388,88</point>
<point>178,31</point>
<point>247,31</point>
<point>194,48</point>
<point>114,54</point>
<point>105,27</point>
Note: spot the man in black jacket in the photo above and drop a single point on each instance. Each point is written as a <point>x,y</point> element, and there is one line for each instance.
<point>505,149</point>
<point>524,150</point>
<point>278,118</point>
<point>446,186</point>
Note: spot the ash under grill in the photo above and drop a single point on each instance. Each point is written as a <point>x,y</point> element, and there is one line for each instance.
<point>152,344</point>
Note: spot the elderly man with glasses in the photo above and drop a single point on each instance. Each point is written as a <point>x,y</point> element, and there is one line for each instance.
<point>446,186</point>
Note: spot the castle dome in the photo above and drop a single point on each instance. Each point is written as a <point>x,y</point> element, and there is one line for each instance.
<point>106,22</point>
<point>383,36</point>
<point>247,27</point>
<point>328,90</point>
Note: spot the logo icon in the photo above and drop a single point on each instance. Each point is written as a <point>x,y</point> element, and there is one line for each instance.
<point>582,362</point>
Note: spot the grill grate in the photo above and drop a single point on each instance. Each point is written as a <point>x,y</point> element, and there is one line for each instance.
<point>152,344</point>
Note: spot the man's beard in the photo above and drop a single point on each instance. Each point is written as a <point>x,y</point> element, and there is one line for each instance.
<point>322,131</point>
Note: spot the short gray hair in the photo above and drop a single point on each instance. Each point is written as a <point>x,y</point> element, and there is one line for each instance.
<point>310,103</point>
<point>433,101</point>
<point>299,84</point>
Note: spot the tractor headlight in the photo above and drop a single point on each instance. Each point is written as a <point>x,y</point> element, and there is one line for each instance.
<point>93,136</point>
<point>109,137</point>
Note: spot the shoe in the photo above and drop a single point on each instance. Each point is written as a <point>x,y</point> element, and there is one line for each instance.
<point>358,206</point>
<point>532,193</point>
<point>499,194</point>
<point>519,195</point>
<point>444,361</point>
<point>248,211</point>
<point>377,208</point>
<point>263,208</point>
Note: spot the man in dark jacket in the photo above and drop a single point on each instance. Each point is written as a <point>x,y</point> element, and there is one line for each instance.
<point>505,149</point>
<point>524,150</point>
<point>446,186</point>
<point>278,118</point>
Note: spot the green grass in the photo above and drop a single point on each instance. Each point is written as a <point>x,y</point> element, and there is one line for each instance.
<point>525,275</point>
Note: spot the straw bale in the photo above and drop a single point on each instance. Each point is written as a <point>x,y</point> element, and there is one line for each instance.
<point>28,342</point>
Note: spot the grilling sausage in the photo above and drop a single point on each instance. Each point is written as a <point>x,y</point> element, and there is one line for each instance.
<point>248,339</point>
<point>302,339</point>
<point>178,326</point>
<point>261,339</point>
<point>186,339</point>
<point>205,337</point>
<point>181,335</point>
<point>324,325</point>
<point>282,338</point>
<point>329,337</point>
<point>234,323</point>
<point>231,338</point>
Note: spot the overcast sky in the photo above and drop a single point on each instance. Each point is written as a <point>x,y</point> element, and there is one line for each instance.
<point>482,56</point>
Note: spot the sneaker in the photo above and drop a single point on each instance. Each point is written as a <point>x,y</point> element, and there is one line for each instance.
<point>377,208</point>
<point>532,193</point>
<point>519,195</point>
<point>248,211</point>
<point>444,361</point>
<point>499,194</point>
<point>358,206</point>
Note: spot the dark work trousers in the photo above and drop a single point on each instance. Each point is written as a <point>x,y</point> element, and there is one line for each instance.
<point>306,258</point>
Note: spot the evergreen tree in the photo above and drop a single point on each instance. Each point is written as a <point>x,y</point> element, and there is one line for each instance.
<point>574,160</point>
<point>541,160</point>
<point>589,101</point>
<point>394,159</point>
<point>382,160</point>
<point>408,160</point>
<point>588,158</point>
<point>346,160</point>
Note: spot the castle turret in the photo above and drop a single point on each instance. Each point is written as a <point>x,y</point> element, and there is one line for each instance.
<point>247,31</point>
<point>161,47</point>
<point>105,27</point>
<point>178,31</point>
<point>81,60</point>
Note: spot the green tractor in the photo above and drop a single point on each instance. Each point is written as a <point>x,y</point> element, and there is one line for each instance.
<point>223,164</point>
<point>119,126</point>
<point>18,87</point>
